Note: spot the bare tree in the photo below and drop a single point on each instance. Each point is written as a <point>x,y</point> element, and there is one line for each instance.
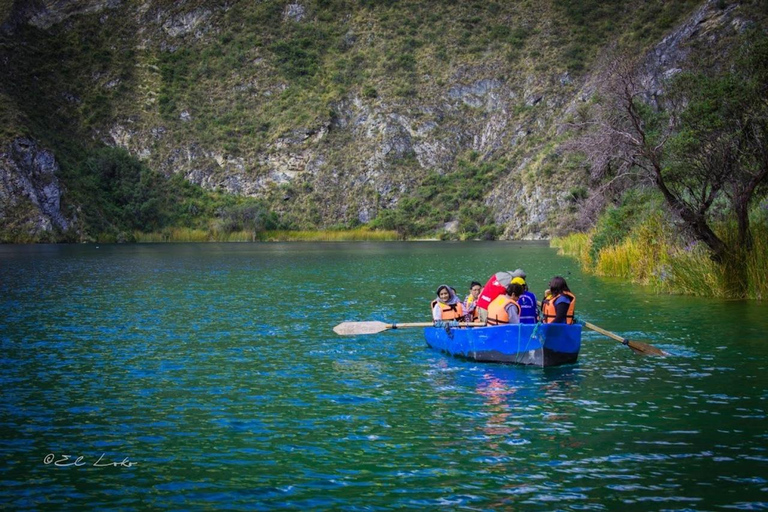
<point>702,144</point>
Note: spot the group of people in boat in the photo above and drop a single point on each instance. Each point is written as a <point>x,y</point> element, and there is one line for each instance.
<point>505,299</point>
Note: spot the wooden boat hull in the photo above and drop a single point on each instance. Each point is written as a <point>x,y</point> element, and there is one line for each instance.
<point>530,344</point>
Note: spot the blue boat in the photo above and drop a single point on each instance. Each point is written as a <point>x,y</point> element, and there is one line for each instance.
<point>531,344</point>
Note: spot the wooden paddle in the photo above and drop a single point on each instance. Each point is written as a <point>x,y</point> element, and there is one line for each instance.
<point>637,346</point>
<point>346,328</point>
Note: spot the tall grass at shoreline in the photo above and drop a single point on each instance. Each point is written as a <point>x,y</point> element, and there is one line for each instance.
<point>577,245</point>
<point>692,272</point>
<point>205,235</point>
<point>757,266</point>
<point>647,257</point>
<point>641,257</point>
<point>351,235</point>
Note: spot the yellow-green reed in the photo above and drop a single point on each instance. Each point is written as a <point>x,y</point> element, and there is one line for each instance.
<point>646,256</point>
<point>641,257</point>
<point>349,235</point>
<point>213,235</point>
<point>577,245</point>
<point>757,264</point>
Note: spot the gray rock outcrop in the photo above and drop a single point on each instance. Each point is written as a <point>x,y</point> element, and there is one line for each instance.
<point>30,192</point>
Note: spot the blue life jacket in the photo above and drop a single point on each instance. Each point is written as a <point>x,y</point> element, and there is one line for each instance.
<point>528,311</point>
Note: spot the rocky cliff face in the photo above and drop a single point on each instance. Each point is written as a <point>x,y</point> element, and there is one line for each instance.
<point>30,192</point>
<point>360,155</point>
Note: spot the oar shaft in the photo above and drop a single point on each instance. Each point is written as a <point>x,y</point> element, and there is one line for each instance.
<point>412,324</point>
<point>637,346</point>
<point>602,331</point>
<point>373,327</point>
<point>431,324</point>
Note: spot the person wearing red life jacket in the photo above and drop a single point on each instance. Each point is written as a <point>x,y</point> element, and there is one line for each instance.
<point>505,309</point>
<point>496,285</point>
<point>560,306</point>
<point>447,306</point>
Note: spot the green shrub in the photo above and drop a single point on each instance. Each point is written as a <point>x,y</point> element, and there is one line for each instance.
<point>618,221</point>
<point>120,196</point>
<point>457,195</point>
<point>370,92</point>
<point>577,194</point>
<point>296,58</point>
<point>247,216</point>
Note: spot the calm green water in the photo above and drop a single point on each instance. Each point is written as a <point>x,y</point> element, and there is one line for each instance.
<point>208,377</point>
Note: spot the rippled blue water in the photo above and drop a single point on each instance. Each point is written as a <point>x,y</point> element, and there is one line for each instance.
<point>208,377</point>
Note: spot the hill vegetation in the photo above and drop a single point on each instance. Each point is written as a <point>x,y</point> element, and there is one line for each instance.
<point>206,119</point>
<point>261,100</point>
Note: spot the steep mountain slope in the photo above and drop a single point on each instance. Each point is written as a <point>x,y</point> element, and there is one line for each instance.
<point>333,112</point>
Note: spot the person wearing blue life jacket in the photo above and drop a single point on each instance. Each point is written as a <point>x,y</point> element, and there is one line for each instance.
<point>529,311</point>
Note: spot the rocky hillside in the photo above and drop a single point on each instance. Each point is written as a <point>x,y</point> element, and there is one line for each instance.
<point>330,112</point>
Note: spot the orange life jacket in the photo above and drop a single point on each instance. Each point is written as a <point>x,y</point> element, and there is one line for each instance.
<point>497,310</point>
<point>450,311</point>
<point>549,313</point>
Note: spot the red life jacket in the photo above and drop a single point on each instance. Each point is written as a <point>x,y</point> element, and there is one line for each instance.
<point>497,310</point>
<point>490,291</point>
<point>548,311</point>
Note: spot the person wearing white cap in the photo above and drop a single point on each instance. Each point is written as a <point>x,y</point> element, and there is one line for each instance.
<point>496,285</point>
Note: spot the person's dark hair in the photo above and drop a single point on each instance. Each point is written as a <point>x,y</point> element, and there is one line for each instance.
<point>557,285</point>
<point>440,288</point>
<point>515,289</point>
<point>475,283</point>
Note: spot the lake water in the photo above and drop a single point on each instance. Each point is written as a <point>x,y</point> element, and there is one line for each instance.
<point>208,376</point>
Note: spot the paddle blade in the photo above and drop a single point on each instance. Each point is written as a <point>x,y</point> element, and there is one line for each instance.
<point>352,328</point>
<point>645,348</point>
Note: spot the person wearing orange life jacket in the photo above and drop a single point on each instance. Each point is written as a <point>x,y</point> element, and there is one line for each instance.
<point>432,304</point>
<point>504,309</point>
<point>447,306</point>
<point>560,306</point>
